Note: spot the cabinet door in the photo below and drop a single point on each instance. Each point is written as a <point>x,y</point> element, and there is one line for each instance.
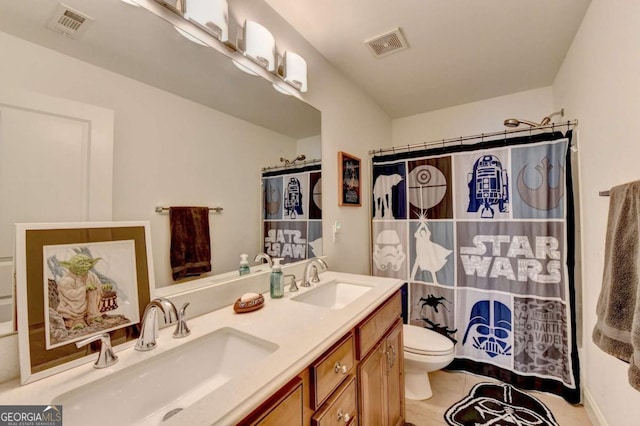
<point>395,376</point>
<point>371,379</point>
<point>381,380</point>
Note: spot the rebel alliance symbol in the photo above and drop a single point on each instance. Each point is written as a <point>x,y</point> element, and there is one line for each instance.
<point>544,197</point>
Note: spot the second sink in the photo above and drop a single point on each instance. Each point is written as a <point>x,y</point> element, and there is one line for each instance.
<point>333,295</point>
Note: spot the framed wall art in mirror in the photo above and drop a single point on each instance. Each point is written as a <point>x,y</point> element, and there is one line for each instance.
<point>76,280</point>
<point>348,180</point>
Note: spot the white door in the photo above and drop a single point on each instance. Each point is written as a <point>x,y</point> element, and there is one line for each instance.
<point>56,165</point>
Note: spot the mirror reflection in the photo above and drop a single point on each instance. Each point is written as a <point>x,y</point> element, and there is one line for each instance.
<point>188,127</point>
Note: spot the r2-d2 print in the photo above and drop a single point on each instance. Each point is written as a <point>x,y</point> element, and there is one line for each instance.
<point>489,328</point>
<point>293,198</point>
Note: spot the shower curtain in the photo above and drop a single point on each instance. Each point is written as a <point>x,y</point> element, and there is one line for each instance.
<point>483,234</point>
<point>292,212</point>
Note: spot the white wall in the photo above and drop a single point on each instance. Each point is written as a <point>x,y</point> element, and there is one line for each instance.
<point>471,119</point>
<point>598,84</point>
<point>167,150</point>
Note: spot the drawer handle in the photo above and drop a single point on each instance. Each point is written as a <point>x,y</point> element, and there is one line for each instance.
<point>391,356</point>
<point>340,368</point>
<point>345,417</point>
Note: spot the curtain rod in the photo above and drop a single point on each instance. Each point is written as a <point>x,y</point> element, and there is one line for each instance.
<point>291,166</point>
<point>482,136</point>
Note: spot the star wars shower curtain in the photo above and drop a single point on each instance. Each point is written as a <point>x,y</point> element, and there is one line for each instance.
<point>292,213</point>
<point>483,234</point>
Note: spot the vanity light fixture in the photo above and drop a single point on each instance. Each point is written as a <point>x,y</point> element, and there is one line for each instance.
<point>294,70</point>
<point>210,15</point>
<point>258,45</point>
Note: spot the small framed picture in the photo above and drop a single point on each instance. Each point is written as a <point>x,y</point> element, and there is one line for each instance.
<point>348,180</point>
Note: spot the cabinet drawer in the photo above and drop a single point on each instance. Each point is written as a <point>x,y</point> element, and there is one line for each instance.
<point>331,369</point>
<point>341,409</point>
<point>373,328</point>
<point>285,407</point>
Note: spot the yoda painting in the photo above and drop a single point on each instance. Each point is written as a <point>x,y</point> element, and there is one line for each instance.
<point>89,288</point>
<point>79,292</point>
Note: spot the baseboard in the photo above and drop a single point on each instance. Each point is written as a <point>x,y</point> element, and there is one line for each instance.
<point>593,411</point>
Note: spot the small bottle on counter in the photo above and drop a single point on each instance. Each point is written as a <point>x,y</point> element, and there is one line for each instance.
<point>276,280</point>
<point>244,265</point>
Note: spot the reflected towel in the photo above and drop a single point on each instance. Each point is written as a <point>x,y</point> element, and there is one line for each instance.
<point>617,331</point>
<point>190,242</point>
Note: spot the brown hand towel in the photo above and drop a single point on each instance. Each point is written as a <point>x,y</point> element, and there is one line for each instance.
<point>617,331</point>
<point>190,242</point>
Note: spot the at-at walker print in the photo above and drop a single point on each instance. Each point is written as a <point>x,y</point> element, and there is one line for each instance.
<point>488,186</point>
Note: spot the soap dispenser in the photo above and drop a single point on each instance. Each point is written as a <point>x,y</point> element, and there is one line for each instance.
<point>276,280</point>
<point>244,264</point>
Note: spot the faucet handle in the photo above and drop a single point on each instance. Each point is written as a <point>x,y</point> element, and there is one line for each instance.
<point>293,287</point>
<point>106,357</point>
<point>315,278</point>
<point>182,330</point>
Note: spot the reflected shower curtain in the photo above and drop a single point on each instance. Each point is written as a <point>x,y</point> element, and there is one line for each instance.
<point>484,236</point>
<point>292,212</point>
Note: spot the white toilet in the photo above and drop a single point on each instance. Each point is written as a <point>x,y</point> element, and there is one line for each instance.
<point>424,351</point>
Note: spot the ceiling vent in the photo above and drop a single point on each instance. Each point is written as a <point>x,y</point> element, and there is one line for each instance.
<point>69,21</point>
<point>387,43</point>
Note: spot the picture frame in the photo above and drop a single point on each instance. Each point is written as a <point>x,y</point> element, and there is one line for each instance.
<point>76,280</point>
<point>349,178</point>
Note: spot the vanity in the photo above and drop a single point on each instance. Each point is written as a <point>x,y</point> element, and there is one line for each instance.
<point>328,354</point>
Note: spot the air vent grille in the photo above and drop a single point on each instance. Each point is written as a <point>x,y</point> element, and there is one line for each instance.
<point>387,43</point>
<point>68,21</point>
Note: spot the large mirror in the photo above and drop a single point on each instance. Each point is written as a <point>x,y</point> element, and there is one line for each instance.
<point>189,128</point>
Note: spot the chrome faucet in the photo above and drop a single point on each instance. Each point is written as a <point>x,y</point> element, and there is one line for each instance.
<point>311,266</point>
<point>264,256</point>
<point>147,339</point>
<point>106,357</point>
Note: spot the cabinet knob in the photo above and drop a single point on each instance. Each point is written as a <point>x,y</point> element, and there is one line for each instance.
<point>345,417</point>
<point>340,368</point>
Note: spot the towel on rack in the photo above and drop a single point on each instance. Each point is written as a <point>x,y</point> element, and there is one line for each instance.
<point>617,330</point>
<point>190,242</point>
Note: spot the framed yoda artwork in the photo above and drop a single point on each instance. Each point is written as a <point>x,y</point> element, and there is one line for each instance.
<point>75,280</point>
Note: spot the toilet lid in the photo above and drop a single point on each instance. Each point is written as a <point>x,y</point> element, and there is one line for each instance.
<point>420,340</point>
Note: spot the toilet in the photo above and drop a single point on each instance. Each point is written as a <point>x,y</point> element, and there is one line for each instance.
<point>424,351</point>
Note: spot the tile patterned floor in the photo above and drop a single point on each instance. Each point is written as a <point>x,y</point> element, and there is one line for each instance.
<point>450,387</point>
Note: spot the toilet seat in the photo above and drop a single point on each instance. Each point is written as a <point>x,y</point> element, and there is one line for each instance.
<point>422,341</point>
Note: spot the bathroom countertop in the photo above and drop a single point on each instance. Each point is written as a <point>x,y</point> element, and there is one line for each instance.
<point>302,332</point>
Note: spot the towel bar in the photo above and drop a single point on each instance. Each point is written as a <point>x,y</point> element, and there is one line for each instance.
<point>160,209</point>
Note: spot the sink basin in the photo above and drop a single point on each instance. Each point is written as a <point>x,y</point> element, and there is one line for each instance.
<point>151,391</point>
<point>333,295</point>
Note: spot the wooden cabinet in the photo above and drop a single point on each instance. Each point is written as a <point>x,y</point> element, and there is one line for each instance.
<point>381,372</point>
<point>331,369</point>
<point>358,380</point>
<point>341,409</point>
<point>285,407</point>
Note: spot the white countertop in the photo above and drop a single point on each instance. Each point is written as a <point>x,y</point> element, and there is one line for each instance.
<point>302,332</point>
